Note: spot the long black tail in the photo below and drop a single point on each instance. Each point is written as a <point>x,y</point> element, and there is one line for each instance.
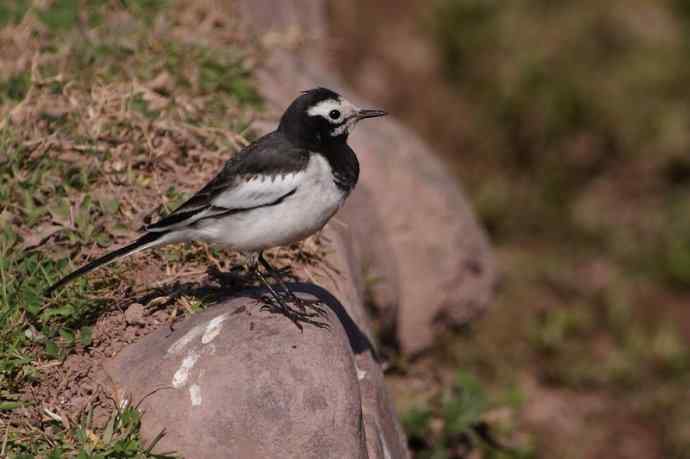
<point>140,244</point>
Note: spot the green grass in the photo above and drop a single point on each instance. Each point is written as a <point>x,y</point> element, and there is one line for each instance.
<point>15,87</point>
<point>118,439</point>
<point>25,274</point>
<point>13,12</point>
<point>102,114</point>
<point>454,422</point>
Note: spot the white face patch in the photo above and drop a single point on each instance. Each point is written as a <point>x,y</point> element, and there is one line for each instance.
<point>347,127</point>
<point>346,118</point>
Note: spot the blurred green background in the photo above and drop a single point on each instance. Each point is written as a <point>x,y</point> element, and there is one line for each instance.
<point>568,123</point>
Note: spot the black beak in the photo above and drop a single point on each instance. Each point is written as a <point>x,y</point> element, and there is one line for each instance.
<point>361,114</point>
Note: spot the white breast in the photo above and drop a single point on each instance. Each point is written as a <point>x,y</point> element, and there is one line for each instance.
<point>301,214</point>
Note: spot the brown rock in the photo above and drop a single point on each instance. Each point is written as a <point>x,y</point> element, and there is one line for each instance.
<point>235,381</point>
<point>134,315</point>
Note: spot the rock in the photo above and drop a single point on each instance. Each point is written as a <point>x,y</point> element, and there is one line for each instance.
<point>134,315</point>
<point>235,381</point>
<point>415,231</point>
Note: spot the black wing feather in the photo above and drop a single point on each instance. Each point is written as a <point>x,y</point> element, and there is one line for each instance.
<point>270,155</point>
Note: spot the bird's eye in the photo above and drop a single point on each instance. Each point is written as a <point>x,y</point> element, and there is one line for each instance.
<point>334,114</point>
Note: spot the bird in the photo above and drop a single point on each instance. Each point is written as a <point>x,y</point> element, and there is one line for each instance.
<point>279,189</point>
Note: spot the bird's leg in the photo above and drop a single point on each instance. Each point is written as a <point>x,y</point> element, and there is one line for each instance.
<point>295,316</point>
<point>253,265</point>
<point>283,308</point>
<point>275,274</point>
<point>278,278</point>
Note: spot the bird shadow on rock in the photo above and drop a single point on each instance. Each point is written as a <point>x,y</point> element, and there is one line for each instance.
<point>228,285</point>
<point>223,286</point>
<point>359,341</point>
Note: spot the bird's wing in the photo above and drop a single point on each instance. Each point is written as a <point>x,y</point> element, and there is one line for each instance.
<point>262,174</point>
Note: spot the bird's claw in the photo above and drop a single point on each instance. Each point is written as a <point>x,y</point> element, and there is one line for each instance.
<point>278,302</point>
<point>298,317</point>
<point>317,307</point>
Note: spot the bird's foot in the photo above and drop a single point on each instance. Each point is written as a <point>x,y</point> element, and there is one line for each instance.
<point>318,309</point>
<point>298,317</point>
<point>304,305</point>
<point>308,308</point>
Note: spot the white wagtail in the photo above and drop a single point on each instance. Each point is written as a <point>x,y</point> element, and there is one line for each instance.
<point>278,190</point>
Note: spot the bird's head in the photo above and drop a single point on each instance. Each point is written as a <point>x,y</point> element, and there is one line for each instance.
<point>321,117</point>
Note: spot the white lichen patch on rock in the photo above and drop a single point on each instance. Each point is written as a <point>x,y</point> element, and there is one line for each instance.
<point>208,332</point>
<point>213,328</point>
<point>195,394</point>
<point>182,374</point>
<point>179,345</point>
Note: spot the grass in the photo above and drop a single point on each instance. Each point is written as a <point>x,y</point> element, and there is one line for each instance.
<point>457,421</point>
<point>117,439</point>
<point>93,123</point>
